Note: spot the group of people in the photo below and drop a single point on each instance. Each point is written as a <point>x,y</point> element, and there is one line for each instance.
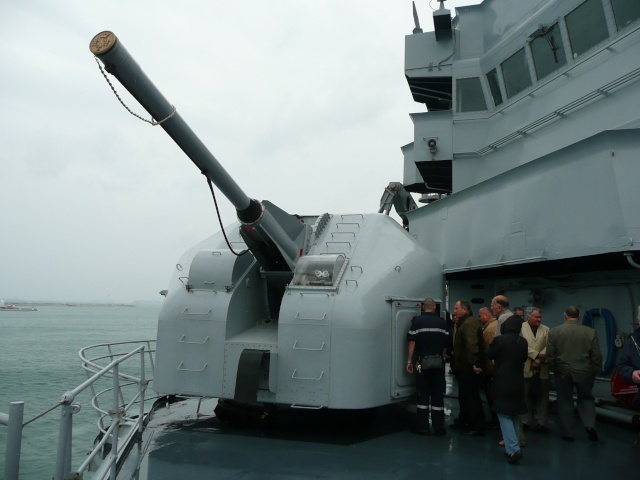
<point>509,355</point>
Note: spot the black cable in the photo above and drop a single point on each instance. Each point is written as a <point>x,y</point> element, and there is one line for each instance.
<point>213,194</point>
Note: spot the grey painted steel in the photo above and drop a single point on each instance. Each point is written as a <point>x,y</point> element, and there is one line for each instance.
<point>321,334</point>
<point>119,63</point>
<point>14,440</point>
<point>544,202</point>
<point>65,435</point>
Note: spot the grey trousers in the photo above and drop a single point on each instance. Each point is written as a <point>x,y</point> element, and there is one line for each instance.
<point>586,406</point>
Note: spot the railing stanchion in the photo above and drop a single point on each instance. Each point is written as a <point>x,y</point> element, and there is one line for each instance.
<point>143,388</point>
<point>63,462</point>
<point>14,441</point>
<point>116,416</point>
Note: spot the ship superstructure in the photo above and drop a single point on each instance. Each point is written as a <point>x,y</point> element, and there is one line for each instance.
<point>531,146</point>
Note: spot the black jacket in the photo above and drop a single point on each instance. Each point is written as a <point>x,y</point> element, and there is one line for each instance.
<point>509,352</point>
<point>430,333</point>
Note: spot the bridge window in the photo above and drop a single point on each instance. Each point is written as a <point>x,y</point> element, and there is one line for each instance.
<point>625,12</point>
<point>469,95</point>
<point>548,50</point>
<point>515,71</point>
<point>494,86</point>
<point>587,26</point>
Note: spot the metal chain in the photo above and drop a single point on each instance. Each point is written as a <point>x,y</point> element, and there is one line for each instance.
<point>152,121</point>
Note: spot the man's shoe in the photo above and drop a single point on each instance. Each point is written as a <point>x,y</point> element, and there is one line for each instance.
<point>474,433</point>
<point>593,435</point>
<point>439,433</point>
<point>424,433</point>
<point>567,438</point>
<point>515,457</point>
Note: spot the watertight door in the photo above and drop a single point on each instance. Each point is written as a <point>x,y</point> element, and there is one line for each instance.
<point>402,311</point>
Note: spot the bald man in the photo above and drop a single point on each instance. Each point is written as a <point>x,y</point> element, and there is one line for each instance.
<point>500,309</point>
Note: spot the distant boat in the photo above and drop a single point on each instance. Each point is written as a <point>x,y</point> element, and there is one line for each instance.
<point>14,308</point>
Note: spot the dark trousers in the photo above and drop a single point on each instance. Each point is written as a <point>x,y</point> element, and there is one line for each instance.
<point>487,381</point>
<point>471,412</point>
<point>430,388</point>
<point>586,405</point>
<point>538,402</point>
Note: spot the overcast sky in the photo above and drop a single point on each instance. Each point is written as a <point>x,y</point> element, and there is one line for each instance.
<point>304,102</point>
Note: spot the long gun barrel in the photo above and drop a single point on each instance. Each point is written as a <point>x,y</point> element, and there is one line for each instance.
<point>260,229</point>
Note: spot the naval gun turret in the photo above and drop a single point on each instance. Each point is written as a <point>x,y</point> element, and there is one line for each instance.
<point>313,316</point>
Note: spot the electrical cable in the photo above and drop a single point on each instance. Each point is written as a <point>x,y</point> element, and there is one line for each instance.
<point>213,194</point>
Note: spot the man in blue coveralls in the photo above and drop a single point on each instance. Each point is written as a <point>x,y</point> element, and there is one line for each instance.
<point>428,339</point>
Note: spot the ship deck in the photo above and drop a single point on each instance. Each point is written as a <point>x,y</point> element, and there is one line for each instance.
<point>182,443</point>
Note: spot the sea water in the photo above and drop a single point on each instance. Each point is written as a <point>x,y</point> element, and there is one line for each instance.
<point>39,362</point>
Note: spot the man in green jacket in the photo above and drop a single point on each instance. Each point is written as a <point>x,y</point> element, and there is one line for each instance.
<point>573,354</point>
<point>468,355</point>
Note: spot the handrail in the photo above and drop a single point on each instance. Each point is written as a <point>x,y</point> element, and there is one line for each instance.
<point>91,361</point>
<point>134,387</point>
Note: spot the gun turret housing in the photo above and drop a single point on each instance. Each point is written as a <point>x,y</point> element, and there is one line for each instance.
<point>334,294</point>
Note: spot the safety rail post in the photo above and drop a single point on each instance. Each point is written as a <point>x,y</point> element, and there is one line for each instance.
<point>142,389</point>
<point>116,415</point>
<point>13,421</point>
<point>65,435</point>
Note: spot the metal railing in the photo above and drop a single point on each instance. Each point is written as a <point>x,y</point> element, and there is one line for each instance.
<point>127,391</point>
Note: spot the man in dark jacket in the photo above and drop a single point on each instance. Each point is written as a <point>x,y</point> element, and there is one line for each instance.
<point>468,352</point>
<point>428,339</point>
<point>509,353</point>
<point>573,354</point>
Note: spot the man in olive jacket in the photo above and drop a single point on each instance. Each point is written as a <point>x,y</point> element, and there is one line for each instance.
<point>573,354</point>
<point>468,352</point>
